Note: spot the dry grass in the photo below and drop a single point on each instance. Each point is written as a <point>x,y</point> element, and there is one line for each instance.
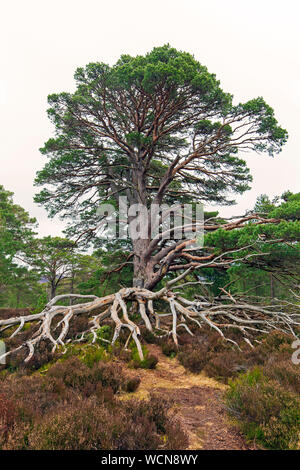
<point>170,374</point>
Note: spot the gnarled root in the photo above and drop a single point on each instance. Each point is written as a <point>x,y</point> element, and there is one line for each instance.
<point>221,314</point>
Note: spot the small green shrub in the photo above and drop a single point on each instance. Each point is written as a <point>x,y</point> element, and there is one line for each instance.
<point>149,361</point>
<point>284,372</point>
<point>105,332</point>
<point>41,303</point>
<point>94,355</point>
<point>265,411</point>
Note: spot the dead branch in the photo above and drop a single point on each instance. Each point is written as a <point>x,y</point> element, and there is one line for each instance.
<point>220,314</point>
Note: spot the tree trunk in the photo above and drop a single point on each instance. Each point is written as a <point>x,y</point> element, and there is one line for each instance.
<point>143,267</point>
<point>140,271</point>
<point>52,290</point>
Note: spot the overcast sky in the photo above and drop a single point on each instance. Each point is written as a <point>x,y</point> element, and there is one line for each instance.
<point>252,46</point>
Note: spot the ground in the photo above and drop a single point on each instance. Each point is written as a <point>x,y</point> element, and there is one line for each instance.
<point>198,401</point>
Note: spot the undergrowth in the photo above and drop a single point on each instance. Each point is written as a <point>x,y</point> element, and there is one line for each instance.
<point>72,405</point>
<point>265,411</point>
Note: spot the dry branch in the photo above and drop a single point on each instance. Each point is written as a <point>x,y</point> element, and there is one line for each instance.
<point>221,314</point>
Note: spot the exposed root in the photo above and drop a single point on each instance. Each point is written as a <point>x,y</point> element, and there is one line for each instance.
<point>220,314</point>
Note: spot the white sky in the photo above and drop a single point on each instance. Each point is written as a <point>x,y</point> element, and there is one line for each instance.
<point>252,46</point>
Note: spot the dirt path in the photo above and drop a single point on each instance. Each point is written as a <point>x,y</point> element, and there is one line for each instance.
<point>197,400</point>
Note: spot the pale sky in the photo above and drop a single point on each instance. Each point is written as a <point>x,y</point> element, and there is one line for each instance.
<point>252,47</point>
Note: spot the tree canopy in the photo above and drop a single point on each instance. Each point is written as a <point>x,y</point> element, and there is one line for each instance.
<point>52,258</point>
<point>16,231</point>
<point>155,128</point>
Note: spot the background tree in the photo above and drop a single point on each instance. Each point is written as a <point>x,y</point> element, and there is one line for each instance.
<point>53,258</point>
<point>82,269</point>
<point>16,231</point>
<point>277,245</point>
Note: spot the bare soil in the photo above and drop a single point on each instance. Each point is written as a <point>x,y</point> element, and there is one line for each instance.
<point>197,400</point>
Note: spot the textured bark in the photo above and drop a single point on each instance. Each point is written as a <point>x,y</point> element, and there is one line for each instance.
<point>153,258</point>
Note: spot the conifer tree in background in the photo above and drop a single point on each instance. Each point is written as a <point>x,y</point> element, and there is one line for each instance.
<point>16,232</point>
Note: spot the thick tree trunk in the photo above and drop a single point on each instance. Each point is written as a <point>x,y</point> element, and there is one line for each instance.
<point>140,265</point>
<point>144,274</point>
